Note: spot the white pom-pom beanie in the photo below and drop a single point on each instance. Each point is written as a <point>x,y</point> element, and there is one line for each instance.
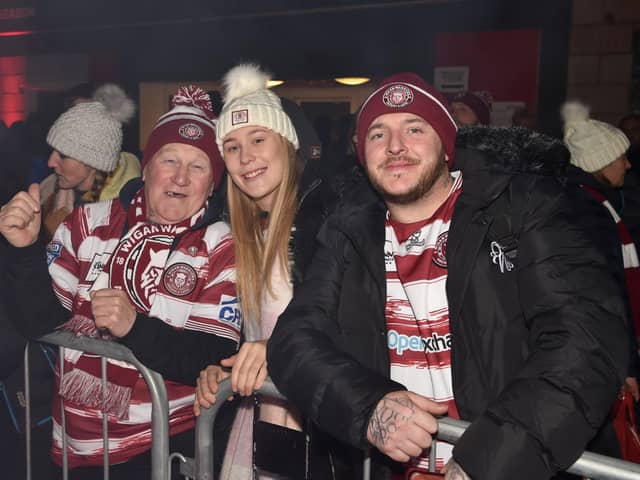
<point>593,144</point>
<point>91,132</point>
<point>248,101</point>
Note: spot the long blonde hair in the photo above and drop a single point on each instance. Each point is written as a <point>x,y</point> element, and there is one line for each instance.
<point>255,252</point>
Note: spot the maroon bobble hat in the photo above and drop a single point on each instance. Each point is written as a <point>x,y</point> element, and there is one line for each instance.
<point>190,121</point>
<point>408,93</point>
<point>479,102</point>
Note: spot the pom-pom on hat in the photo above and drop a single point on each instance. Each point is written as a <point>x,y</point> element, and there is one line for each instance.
<point>91,132</point>
<point>593,144</point>
<point>248,101</point>
<point>190,121</point>
<point>409,93</point>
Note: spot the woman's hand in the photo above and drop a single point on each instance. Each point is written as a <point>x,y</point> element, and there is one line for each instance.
<point>248,367</point>
<point>207,387</point>
<point>20,218</point>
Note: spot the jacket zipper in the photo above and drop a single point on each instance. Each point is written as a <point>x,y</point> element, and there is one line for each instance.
<point>310,189</point>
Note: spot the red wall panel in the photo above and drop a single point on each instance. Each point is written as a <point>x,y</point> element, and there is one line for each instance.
<point>504,63</point>
<point>12,99</point>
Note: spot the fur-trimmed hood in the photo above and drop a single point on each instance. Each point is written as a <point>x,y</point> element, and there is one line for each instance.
<point>512,150</point>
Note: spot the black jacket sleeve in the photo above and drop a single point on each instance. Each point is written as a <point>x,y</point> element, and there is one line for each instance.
<point>12,343</point>
<point>307,352</point>
<point>578,349</point>
<point>31,302</point>
<point>178,355</point>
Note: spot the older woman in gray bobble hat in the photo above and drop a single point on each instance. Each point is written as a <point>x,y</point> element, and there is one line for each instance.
<point>86,157</point>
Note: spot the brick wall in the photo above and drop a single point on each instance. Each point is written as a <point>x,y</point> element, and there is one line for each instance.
<point>600,55</point>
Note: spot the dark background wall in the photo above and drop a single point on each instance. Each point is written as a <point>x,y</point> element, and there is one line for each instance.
<point>138,40</point>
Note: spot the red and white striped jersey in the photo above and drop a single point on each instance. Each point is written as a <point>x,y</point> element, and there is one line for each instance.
<point>417,310</point>
<point>77,255</point>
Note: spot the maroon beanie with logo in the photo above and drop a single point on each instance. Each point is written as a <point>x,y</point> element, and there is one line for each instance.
<point>190,121</point>
<point>408,93</point>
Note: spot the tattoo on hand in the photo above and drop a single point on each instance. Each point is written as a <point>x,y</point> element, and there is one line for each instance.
<point>386,420</point>
<point>455,472</point>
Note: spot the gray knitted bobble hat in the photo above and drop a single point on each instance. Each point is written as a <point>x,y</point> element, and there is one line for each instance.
<point>91,132</point>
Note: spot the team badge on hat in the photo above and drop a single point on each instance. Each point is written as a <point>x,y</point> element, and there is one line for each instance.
<point>239,116</point>
<point>190,131</point>
<point>397,96</point>
<point>180,279</point>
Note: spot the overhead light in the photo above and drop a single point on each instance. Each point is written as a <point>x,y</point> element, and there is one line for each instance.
<point>352,81</point>
<point>274,83</point>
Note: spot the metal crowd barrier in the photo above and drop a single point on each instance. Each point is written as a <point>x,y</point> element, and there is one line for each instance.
<point>589,465</point>
<point>160,459</point>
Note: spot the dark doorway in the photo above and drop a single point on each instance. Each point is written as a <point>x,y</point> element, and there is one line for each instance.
<point>331,121</point>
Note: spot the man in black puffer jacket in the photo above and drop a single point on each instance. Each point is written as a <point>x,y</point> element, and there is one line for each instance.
<point>474,282</point>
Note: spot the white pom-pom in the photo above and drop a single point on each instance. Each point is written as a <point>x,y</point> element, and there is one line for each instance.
<point>573,112</point>
<point>244,79</point>
<point>116,101</point>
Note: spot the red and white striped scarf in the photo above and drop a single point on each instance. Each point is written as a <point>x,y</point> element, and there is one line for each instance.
<point>629,259</point>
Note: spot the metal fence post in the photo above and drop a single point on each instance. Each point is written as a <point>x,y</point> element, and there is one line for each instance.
<point>155,383</point>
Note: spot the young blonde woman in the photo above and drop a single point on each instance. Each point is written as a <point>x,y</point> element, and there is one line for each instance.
<point>277,200</point>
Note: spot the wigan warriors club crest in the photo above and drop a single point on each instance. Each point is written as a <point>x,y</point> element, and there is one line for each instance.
<point>180,279</point>
<point>190,131</point>
<point>397,96</point>
<point>141,265</point>
<point>440,250</point>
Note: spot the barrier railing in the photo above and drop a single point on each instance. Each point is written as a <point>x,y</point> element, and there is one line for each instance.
<point>160,466</point>
<point>590,465</point>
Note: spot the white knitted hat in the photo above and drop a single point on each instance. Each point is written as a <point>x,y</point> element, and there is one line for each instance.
<point>248,101</point>
<point>593,144</point>
<point>91,132</point>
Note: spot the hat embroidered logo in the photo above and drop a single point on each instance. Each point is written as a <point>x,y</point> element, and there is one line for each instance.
<point>397,96</point>
<point>239,116</point>
<point>190,131</point>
